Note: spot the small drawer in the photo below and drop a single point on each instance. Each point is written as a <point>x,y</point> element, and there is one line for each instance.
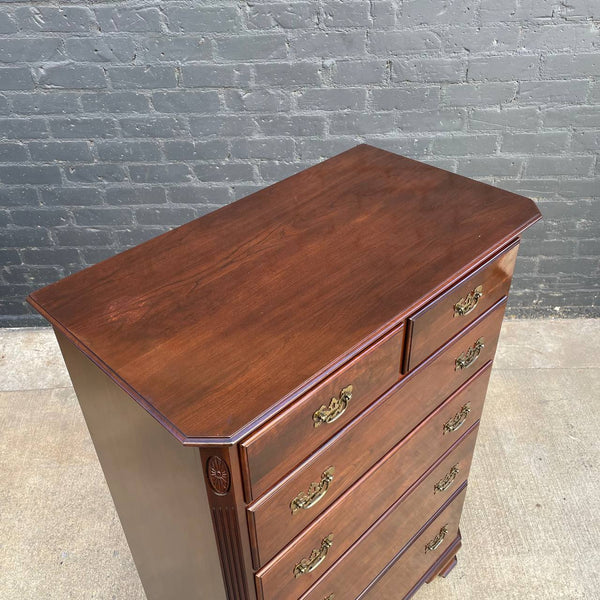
<point>295,502</point>
<point>275,449</point>
<point>362,505</point>
<point>372,553</point>
<point>443,318</point>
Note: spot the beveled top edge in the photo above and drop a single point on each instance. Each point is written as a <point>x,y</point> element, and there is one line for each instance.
<point>328,369</point>
<point>195,441</point>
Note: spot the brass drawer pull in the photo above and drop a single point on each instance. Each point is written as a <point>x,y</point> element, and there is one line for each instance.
<point>467,304</point>
<point>443,484</point>
<point>466,359</point>
<point>437,541</point>
<point>336,408</point>
<point>316,491</point>
<point>458,420</point>
<point>317,556</point>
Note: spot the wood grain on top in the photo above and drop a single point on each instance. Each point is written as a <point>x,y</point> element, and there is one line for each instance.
<point>216,325</point>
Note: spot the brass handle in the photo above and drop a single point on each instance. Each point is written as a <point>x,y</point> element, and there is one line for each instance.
<point>316,491</point>
<point>458,420</point>
<point>437,541</point>
<point>466,359</point>
<point>467,304</point>
<point>443,484</point>
<point>336,408</point>
<point>317,556</point>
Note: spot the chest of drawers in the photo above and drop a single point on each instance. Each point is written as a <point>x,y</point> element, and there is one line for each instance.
<point>284,395</point>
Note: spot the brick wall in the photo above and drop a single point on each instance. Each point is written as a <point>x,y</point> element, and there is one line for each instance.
<point>119,120</point>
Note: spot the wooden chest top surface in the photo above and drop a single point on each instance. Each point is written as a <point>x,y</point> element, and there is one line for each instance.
<point>218,324</point>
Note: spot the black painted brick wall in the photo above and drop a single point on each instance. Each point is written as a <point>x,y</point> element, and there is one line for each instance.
<point>119,120</point>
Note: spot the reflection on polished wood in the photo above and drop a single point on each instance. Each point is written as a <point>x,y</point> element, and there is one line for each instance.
<point>260,299</point>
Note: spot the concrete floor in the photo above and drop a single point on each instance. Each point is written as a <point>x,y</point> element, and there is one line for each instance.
<point>531,526</point>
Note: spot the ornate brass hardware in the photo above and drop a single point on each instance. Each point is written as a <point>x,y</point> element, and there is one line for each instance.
<point>336,408</point>
<point>443,484</point>
<point>466,359</point>
<point>317,556</point>
<point>458,420</point>
<point>437,541</point>
<point>465,305</point>
<point>316,491</point>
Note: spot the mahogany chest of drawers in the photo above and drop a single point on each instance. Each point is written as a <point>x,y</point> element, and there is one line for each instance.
<point>285,394</point>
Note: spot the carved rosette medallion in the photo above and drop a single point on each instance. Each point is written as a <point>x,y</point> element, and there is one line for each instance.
<point>218,475</point>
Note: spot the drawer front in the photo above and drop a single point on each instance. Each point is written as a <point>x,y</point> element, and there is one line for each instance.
<point>273,451</point>
<point>363,442</point>
<point>414,562</point>
<point>357,569</point>
<point>362,505</point>
<point>443,318</point>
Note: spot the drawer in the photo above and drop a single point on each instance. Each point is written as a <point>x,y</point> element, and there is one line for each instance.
<point>409,569</point>
<point>362,505</point>
<point>273,451</point>
<point>443,318</point>
<point>371,554</point>
<point>363,442</point>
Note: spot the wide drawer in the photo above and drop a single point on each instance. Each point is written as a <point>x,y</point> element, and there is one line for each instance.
<point>443,318</point>
<point>362,505</point>
<point>414,562</point>
<point>372,553</point>
<point>275,518</point>
<point>274,450</point>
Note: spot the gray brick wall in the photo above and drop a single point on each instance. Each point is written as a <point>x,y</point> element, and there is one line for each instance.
<point>119,120</point>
